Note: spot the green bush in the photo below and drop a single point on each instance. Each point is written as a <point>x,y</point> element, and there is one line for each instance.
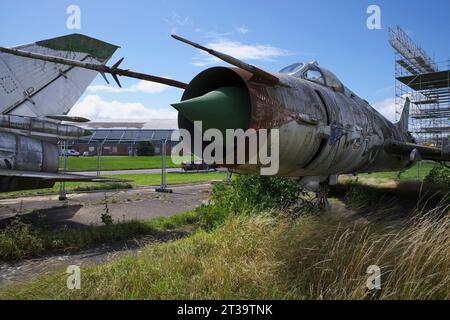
<point>263,192</point>
<point>20,239</point>
<point>146,148</point>
<point>440,174</point>
<point>103,186</point>
<point>251,194</point>
<point>359,196</point>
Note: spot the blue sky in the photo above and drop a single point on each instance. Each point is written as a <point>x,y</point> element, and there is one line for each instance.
<point>270,34</point>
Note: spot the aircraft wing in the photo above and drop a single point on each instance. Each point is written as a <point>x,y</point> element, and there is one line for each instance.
<point>34,88</point>
<point>416,152</point>
<point>56,177</point>
<point>413,151</point>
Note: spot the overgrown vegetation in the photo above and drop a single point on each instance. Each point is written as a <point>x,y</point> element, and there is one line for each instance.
<point>104,186</point>
<point>261,257</point>
<point>254,246</point>
<point>106,217</point>
<point>250,195</point>
<point>440,174</point>
<point>360,197</point>
<point>21,239</point>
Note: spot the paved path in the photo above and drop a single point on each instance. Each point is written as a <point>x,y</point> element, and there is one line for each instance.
<point>84,209</point>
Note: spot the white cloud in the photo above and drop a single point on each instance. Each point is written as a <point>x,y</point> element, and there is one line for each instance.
<point>386,108</point>
<point>216,35</point>
<point>240,51</point>
<point>141,86</point>
<point>242,29</point>
<point>176,21</point>
<point>96,109</point>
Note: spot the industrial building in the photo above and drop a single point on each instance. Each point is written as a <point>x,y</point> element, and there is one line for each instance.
<point>122,138</point>
<point>427,84</point>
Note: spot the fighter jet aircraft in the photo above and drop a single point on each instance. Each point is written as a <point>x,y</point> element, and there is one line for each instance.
<point>35,97</point>
<point>325,129</point>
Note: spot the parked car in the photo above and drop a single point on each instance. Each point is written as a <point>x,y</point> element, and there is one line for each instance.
<point>70,153</point>
<point>197,166</point>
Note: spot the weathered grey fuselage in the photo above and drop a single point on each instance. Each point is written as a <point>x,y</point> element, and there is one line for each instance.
<point>348,138</point>
<point>31,93</point>
<point>20,152</point>
<point>30,144</point>
<point>325,130</point>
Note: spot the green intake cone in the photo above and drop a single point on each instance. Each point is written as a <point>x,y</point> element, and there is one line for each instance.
<point>223,108</point>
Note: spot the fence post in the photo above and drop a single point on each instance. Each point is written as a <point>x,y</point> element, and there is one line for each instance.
<point>419,169</point>
<point>99,154</point>
<point>229,175</point>
<point>62,187</point>
<point>163,187</point>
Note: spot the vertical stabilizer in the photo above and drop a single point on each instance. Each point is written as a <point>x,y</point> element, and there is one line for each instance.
<point>34,88</point>
<point>404,120</point>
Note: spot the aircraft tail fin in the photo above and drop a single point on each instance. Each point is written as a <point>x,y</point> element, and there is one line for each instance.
<point>404,120</point>
<point>34,88</point>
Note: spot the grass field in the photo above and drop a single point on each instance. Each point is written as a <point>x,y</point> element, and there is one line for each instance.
<point>273,254</point>
<point>177,178</point>
<point>108,163</point>
<point>137,181</point>
<point>313,257</point>
<point>408,175</point>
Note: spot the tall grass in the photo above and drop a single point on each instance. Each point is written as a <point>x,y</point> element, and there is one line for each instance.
<point>265,257</point>
<point>332,263</point>
<point>277,252</point>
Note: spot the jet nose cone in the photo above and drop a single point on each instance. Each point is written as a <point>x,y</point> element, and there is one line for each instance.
<point>223,108</point>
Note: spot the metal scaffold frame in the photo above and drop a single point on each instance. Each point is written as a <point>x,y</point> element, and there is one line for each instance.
<point>427,84</point>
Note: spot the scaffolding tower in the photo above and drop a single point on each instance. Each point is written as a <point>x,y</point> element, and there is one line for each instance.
<point>427,84</point>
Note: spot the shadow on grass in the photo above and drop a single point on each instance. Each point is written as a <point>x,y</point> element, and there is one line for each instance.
<point>403,200</point>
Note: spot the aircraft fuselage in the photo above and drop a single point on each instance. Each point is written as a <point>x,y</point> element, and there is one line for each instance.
<point>323,131</point>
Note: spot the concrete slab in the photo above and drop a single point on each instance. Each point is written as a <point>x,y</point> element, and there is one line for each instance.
<point>85,209</point>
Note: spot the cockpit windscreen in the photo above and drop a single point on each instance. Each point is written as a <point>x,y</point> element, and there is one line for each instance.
<point>293,68</point>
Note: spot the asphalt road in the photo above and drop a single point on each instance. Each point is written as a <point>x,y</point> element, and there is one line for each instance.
<point>85,209</point>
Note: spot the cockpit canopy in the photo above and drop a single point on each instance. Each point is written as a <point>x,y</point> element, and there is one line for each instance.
<point>313,72</point>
